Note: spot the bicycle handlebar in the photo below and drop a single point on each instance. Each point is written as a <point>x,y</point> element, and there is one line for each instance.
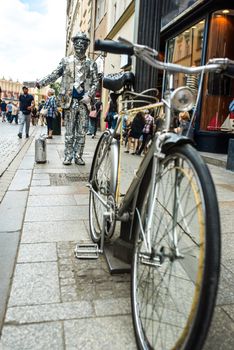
<point>147,54</point>
<point>113,47</point>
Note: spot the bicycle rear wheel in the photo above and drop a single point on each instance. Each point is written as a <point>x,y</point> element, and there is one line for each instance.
<point>103,178</point>
<point>174,286</point>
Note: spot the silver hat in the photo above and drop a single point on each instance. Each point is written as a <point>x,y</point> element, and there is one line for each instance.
<point>80,35</point>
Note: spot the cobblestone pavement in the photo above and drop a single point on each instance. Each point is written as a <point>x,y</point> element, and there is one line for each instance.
<point>10,144</point>
<point>58,302</point>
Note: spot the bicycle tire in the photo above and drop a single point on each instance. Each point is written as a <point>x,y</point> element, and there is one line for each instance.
<point>173,303</point>
<point>103,179</point>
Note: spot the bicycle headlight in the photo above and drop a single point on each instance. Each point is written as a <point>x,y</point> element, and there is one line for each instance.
<point>182,99</point>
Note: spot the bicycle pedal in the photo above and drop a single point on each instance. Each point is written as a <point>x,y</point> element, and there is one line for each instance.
<point>86,251</point>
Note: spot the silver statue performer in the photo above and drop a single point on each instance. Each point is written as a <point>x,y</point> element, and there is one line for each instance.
<point>78,86</point>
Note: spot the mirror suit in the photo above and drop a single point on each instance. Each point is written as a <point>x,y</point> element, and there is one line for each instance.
<point>78,87</point>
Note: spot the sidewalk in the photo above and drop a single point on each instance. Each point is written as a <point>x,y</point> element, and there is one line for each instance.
<point>56,301</point>
<point>59,302</point>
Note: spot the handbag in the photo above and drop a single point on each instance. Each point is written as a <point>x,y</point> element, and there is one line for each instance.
<point>93,114</point>
<point>44,111</point>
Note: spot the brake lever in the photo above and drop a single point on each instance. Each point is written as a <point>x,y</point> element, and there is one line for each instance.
<point>139,48</point>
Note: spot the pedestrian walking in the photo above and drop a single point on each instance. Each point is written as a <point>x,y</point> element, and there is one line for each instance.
<point>34,116</point>
<point>9,112</point>
<point>112,112</point>
<point>3,110</point>
<point>15,112</point>
<point>147,132</point>
<point>41,118</point>
<point>135,132</point>
<point>78,87</point>
<point>26,104</point>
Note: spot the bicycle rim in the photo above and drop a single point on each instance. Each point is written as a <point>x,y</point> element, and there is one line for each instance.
<point>173,296</point>
<point>103,181</point>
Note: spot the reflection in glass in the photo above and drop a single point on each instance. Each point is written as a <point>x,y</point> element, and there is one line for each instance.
<point>173,8</point>
<point>218,89</point>
<point>186,49</point>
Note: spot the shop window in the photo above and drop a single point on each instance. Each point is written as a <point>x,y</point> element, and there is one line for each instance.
<point>186,49</point>
<point>218,89</point>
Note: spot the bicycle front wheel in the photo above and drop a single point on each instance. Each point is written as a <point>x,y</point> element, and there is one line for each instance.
<point>103,179</point>
<point>175,279</point>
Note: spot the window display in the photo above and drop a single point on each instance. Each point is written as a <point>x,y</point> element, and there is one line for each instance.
<point>218,89</point>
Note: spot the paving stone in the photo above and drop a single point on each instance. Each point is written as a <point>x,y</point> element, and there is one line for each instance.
<point>38,232</point>
<point>114,306</point>
<point>87,291</point>
<point>35,283</point>
<point>229,309</point>
<point>33,337</point>
<point>82,199</point>
<point>227,223</point>
<point>73,189</point>
<point>221,333</point>
<point>37,252</point>
<point>12,210</point>
<point>66,274</point>
<point>47,201</point>
<point>64,267</point>
<point>40,183</point>
<point>64,261</point>
<point>49,312</point>
<point>226,287</point>
<point>48,214</point>
<point>227,242</point>
<point>228,264</point>
<point>40,176</point>
<point>69,293</point>
<point>8,249</point>
<point>100,333</point>
<point>10,146</point>
<point>27,162</point>
<point>224,194</point>
<point>67,281</point>
<point>65,170</point>
<point>21,180</point>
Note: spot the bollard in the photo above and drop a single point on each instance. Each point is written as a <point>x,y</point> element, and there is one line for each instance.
<point>40,149</point>
<point>230,157</point>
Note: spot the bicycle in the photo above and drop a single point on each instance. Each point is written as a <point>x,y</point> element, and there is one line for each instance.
<point>173,210</point>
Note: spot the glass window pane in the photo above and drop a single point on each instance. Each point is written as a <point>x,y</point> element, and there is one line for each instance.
<point>186,49</point>
<point>173,8</point>
<point>218,89</point>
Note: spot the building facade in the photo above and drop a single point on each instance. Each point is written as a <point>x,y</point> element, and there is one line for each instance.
<point>190,32</point>
<point>80,17</point>
<point>113,19</point>
<point>10,91</point>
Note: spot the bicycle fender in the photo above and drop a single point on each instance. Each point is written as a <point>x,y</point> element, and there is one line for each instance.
<point>173,139</point>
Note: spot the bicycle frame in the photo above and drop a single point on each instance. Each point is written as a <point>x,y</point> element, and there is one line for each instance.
<point>161,141</point>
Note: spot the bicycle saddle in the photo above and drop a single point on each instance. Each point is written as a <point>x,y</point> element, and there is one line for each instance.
<point>117,81</point>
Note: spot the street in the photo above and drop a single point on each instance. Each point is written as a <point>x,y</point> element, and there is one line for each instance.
<point>55,301</point>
